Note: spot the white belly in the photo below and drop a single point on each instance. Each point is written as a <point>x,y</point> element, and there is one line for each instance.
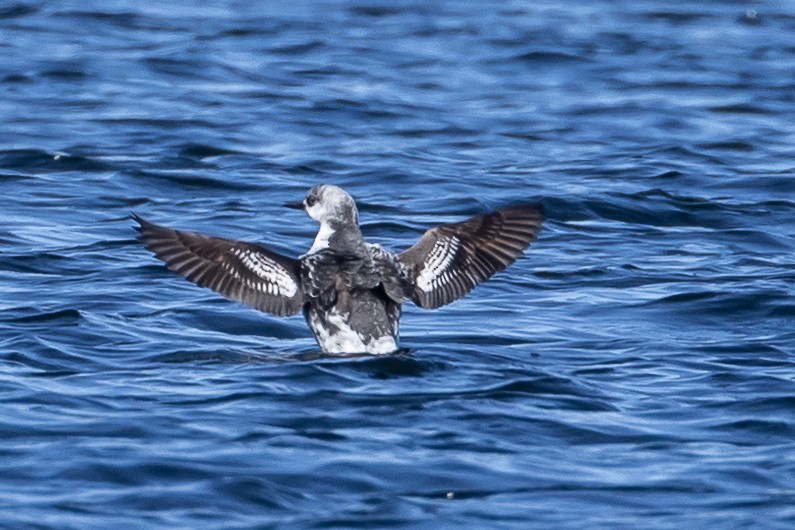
<point>340,338</point>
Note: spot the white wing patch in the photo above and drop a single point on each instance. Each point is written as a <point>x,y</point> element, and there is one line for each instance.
<point>435,270</point>
<point>277,280</point>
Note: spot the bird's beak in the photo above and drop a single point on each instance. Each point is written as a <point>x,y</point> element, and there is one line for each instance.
<point>295,205</point>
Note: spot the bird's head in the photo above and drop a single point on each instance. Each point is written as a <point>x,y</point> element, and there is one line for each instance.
<point>329,204</point>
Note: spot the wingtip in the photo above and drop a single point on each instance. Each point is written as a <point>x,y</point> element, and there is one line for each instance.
<point>137,218</point>
<point>533,209</point>
<point>142,223</point>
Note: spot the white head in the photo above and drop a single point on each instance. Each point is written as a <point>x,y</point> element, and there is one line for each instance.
<point>330,205</point>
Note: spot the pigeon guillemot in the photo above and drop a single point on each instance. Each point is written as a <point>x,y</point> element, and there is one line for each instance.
<point>350,291</point>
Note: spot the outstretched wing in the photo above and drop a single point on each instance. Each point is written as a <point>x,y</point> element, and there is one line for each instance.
<point>244,272</point>
<point>450,260</point>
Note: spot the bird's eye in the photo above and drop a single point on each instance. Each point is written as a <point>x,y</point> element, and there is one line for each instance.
<point>310,201</point>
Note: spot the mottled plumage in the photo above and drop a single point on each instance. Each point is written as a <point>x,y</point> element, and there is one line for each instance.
<point>350,291</point>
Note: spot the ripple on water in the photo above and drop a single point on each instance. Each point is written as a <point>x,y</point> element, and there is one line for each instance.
<point>634,370</point>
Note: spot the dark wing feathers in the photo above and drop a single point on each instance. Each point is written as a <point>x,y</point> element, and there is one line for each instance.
<point>244,272</point>
<point>449,260</point>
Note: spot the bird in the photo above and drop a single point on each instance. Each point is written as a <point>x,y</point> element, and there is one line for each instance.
<point>351,292</point>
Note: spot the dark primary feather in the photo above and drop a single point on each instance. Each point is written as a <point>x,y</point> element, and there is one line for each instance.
<point>244,272</point>
<point>450,260</point>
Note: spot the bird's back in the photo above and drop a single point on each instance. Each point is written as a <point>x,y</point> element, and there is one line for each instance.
<point>351,300</point>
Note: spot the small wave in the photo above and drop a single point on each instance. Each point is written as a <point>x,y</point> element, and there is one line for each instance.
<point>752,427</point>
<point>201,151</point>
<point>34,159</point>
<point>678,17</point>
<point>548,57</point>
<point>297,49</point>
<point>741,108</point>
<point>17,11</point>
<point>375,11</point>
<point>122,19</point>
<point>214,356</point>
<point>62,317</point>
<point>745,147</point>
<point>183,180</point>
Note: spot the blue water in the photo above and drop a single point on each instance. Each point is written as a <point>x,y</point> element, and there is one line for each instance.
<point>635,370</point>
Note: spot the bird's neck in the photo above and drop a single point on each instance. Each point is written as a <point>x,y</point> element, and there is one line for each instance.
<point>323,238</point>
<point>336,237</point>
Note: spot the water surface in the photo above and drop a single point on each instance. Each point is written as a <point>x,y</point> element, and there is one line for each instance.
<point>635,370</point>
